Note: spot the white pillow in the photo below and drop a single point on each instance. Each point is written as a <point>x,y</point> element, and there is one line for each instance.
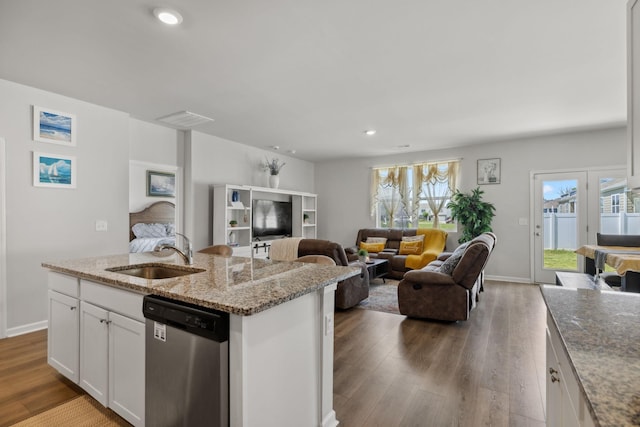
<point>142,230</point>
<point>377,240</point>
<point>171,229</point>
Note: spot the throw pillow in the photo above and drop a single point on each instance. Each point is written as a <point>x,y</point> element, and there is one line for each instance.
<point>411,248</point>
<point>382,240</point>
<point>419,238</point>
<point>372,247</point>
<point>451,263</point>
<point>142,230</point>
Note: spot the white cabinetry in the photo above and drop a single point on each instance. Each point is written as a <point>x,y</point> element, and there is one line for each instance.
<point>633,92</point>
<point>566,404</point>
<point>63,350</point>
<point>96,339</point>
<point>112,349</point>
<point>234,203</point>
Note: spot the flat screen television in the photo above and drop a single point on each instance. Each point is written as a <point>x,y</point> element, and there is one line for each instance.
<point>271,218</point>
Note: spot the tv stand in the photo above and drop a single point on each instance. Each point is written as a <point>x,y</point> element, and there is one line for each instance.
<point>234,203</point>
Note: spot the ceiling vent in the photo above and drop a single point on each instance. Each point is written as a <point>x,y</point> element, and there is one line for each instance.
<point>184,120</point>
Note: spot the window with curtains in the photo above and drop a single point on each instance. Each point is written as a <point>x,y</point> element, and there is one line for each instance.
<point>414,196</point>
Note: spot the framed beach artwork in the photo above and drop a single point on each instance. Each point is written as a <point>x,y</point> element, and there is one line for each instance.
<point>52,126</point>
<point>161,184</point>
<point>54,170</point>
<point>488,171</point>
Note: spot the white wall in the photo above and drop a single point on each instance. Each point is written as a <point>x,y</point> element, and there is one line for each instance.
<point>343,187</point>
<point>157,148</point>
<point>212,160</point>
<point>45,224</point>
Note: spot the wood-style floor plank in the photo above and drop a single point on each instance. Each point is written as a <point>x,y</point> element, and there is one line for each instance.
<point>487,371</point>
<point>389,370</point>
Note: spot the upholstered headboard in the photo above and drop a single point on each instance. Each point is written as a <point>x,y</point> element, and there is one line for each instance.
<point>162,212</point>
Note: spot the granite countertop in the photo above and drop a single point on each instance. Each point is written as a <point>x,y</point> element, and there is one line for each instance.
<point>235,285</point>
<point>601,334</point>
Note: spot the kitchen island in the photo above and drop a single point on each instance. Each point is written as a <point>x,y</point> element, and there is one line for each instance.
<point>280,325</point>
<point>593,357</point>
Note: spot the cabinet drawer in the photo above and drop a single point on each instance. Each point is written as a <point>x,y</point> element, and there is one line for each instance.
<point>67,285</point>
<point>125,302</point>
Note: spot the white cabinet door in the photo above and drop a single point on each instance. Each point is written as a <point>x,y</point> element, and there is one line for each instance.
<point>63,346</point>
<point>126,368</point>
<point>554,391</point>
<point>94,330</point>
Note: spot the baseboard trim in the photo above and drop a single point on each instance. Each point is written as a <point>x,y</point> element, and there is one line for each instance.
<point>330,420</point>
<point>508,279</point>
<point>25,329</point>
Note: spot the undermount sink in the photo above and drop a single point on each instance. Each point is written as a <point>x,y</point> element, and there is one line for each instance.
<point>155,271</point>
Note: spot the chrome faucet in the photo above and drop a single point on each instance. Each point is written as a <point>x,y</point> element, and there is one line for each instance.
<point>186,254</point>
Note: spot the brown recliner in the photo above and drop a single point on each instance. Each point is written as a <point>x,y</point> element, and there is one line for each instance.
<point>433,293</point>
<point>350,291</point>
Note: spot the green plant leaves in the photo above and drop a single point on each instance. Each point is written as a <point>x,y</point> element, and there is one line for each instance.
<point>474,214</point>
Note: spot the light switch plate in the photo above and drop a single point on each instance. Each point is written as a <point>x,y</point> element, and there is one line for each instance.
<point>101,225</point>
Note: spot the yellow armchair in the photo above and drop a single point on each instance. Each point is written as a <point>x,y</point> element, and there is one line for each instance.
<point>434,243</point>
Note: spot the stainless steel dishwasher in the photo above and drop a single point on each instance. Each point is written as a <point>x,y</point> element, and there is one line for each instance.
<point>187,364</point>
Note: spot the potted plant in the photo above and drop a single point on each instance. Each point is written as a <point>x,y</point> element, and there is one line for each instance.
<point>233,223</point>
<point>305,218</point>
<point>363,255</point>
<point>474,214</point>
<point>273,166</point>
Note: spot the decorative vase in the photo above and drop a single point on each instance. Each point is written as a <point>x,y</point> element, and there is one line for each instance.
<point>232,238</point>
<point>274,181</point>
<point>235,196</point>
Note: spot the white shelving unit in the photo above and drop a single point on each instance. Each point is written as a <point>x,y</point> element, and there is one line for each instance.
<point>233,203</point>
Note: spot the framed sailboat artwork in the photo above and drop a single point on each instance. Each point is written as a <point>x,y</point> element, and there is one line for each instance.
<point>54,170</point>
<point>54,127</point>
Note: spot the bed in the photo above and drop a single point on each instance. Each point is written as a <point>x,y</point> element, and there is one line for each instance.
<point>152,226</point>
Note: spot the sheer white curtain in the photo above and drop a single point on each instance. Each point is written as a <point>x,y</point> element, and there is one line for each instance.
<point>407,185</point>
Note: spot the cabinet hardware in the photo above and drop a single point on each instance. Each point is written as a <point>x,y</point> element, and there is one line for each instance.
<point>552,371</point>
<point>555,379</point>
<point>105,321</point>
<point>72,308</point>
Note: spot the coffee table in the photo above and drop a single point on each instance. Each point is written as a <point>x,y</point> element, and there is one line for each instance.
<point>378,268</point>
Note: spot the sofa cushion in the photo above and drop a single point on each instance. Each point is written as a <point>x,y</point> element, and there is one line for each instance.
<point>372,247</point>
<point>410,248</point>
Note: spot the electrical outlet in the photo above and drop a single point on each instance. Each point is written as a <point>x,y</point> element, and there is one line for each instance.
<point>101,225</point>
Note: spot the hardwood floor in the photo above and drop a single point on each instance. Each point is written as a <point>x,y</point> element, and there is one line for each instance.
<point>389,370</point>
<point>28,385</point>
<point>488,371</point>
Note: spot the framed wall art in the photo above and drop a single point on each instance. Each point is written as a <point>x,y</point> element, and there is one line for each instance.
<point>54,127</point>
<point>488,171</point>
<point>161,184</point>
<point>54,170</point>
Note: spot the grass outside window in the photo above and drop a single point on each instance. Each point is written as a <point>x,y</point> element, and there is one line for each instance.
<point>563,259</point>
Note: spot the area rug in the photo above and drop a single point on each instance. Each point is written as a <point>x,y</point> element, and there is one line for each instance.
<point>82,411</point>
<point>382,297</point>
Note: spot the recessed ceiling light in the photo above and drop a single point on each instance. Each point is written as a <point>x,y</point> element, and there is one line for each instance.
<point>370,132</point>
<point>168,16</point>
<point>275,147</point>
<point>403,146</point>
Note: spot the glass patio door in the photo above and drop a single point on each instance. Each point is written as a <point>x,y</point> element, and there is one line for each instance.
<point>560,223</point>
